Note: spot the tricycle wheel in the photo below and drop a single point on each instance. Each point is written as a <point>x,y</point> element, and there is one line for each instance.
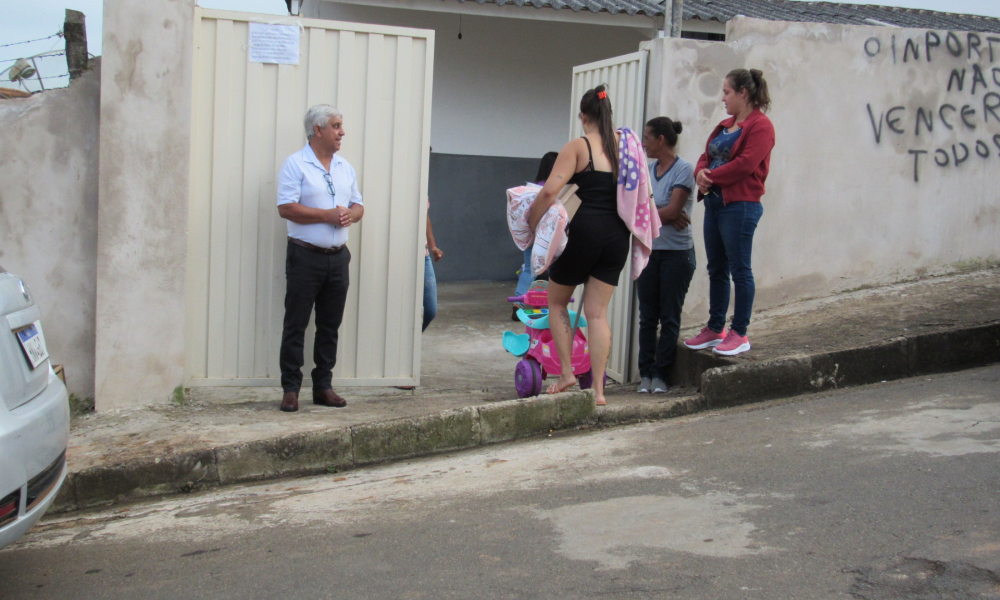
<point>528,378</point>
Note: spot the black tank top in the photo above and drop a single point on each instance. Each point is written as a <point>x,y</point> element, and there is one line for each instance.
<point>598,190</point>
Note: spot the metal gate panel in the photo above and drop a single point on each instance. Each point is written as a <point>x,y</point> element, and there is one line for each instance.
<point>625,77</point>
<point>246,121</point>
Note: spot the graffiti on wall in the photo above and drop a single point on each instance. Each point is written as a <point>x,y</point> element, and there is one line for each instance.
<point>971,111</point>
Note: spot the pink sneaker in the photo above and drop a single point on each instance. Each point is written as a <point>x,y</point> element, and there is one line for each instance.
<point>733,344</point>
<point>706,339</point>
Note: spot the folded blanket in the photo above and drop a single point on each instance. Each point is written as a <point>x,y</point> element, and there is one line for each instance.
<point>550,238</point>
<point>635,204</point>
<point>519,201</point>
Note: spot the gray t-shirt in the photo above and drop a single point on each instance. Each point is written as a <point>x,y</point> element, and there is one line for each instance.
<point>679,175</point>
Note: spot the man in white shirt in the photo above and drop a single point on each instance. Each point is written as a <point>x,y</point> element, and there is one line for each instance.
<point>318,196</point>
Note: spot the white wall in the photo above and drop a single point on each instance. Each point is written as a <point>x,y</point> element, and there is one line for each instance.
<point>843,209</point>
<point>48,214</point>
<point>142,222</point>
<point>504,88</point>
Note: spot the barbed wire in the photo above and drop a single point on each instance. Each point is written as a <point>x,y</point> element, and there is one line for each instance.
<point>57,34</point>
<point>42,55</point>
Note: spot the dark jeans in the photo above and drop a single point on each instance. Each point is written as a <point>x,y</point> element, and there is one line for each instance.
<point>729,233</point>
<point>320,280</point>
<point>661,288</point>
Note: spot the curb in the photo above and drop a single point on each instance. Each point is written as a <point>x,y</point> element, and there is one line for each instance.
<point>343,448</point>
<point>897,358</point>
<point>327,451</point>
<point>621,414</point>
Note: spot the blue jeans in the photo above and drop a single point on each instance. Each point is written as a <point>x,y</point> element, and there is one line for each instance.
<point>525,279</point>
<point>430,293</point>
<point>661,288</point>
<point>728,234</point>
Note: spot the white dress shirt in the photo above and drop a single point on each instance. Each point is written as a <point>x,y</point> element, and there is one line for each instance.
<point>302,180</point>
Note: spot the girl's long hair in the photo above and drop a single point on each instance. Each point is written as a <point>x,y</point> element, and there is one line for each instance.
<point>598,110</point>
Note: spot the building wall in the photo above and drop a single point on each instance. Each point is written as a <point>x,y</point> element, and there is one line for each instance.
<point>504,88</point>
<point>143,189</point>
<point>856,196</point>
<point>48,214</point>
<point>501,101</point>
<point>468,213</point>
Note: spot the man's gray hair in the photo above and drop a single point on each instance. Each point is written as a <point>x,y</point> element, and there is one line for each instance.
<point>320,116</point>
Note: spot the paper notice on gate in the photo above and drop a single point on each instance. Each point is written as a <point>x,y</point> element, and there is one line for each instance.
<point>275,44</point>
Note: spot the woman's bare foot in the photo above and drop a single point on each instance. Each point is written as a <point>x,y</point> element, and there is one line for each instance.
<point>599,400</point>
<point>562,385</point>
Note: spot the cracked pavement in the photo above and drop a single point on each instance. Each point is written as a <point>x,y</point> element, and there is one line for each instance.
<point>880,492</point>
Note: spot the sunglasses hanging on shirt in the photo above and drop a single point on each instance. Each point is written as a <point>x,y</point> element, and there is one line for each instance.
<point>329,185</point>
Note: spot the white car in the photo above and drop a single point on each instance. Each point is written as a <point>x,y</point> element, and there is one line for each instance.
<point>34,414</point>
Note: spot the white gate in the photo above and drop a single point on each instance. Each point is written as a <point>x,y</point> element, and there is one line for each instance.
<point>625,77</point>
<point>247,119</point>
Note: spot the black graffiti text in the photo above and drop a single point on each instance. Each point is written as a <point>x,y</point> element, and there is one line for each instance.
<point>901,120</point>
<point>970,46</point>
<point>956,154</point>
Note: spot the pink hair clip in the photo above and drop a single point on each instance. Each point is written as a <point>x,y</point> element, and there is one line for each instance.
<point>602,95</point>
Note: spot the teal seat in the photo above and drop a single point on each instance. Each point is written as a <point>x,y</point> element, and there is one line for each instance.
<point>543,322</point>
<point>516,343</point>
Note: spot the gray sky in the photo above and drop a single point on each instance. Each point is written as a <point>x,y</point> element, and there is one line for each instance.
<point>27,20</point>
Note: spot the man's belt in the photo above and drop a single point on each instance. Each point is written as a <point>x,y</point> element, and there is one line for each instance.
<point>316,249</point>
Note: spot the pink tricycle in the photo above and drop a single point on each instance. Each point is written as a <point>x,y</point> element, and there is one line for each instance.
<point>536,348</point>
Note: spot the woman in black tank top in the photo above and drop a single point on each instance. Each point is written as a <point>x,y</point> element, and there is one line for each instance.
<point>598,243</point>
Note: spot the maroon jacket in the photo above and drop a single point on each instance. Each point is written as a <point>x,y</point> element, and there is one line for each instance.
<point>742,178</point>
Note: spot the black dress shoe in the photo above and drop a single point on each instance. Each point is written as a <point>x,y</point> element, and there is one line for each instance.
<point>328,398</point>
<point>290,402</point>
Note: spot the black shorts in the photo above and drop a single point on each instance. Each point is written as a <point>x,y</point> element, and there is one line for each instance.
<point>598,247</point>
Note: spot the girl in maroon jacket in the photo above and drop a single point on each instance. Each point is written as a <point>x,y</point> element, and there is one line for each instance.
<point>730,177</point>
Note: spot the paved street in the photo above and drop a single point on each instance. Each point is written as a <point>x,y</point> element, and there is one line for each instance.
<point>882,492</point>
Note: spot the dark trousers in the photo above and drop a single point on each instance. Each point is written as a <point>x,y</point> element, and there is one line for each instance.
<point>729,230</point>
<point>320,280</point>
<point>661,288</point>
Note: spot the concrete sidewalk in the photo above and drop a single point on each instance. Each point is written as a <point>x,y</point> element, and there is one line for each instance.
<point>221,436</point>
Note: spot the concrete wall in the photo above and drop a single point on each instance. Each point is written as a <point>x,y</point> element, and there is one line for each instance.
<point>142,219</point>
<point>48,214</point>
<point>504,88</point>
<point>861,190</point>
<point>468,212</point>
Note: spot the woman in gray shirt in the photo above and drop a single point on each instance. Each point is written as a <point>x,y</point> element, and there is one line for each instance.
<point>664,282</point>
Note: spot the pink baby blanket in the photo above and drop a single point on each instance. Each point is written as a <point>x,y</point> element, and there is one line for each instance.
<point>635,204</point>
<point>550,238</point>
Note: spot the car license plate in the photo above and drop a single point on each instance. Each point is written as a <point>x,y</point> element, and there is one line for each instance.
<point>33,341</point>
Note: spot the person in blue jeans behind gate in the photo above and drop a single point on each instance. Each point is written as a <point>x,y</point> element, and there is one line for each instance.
<point>664,282</point>
<point>730,177</point>
<point>432,254</point>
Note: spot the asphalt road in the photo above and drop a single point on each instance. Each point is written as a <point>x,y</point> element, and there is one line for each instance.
<point>882,492</point>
